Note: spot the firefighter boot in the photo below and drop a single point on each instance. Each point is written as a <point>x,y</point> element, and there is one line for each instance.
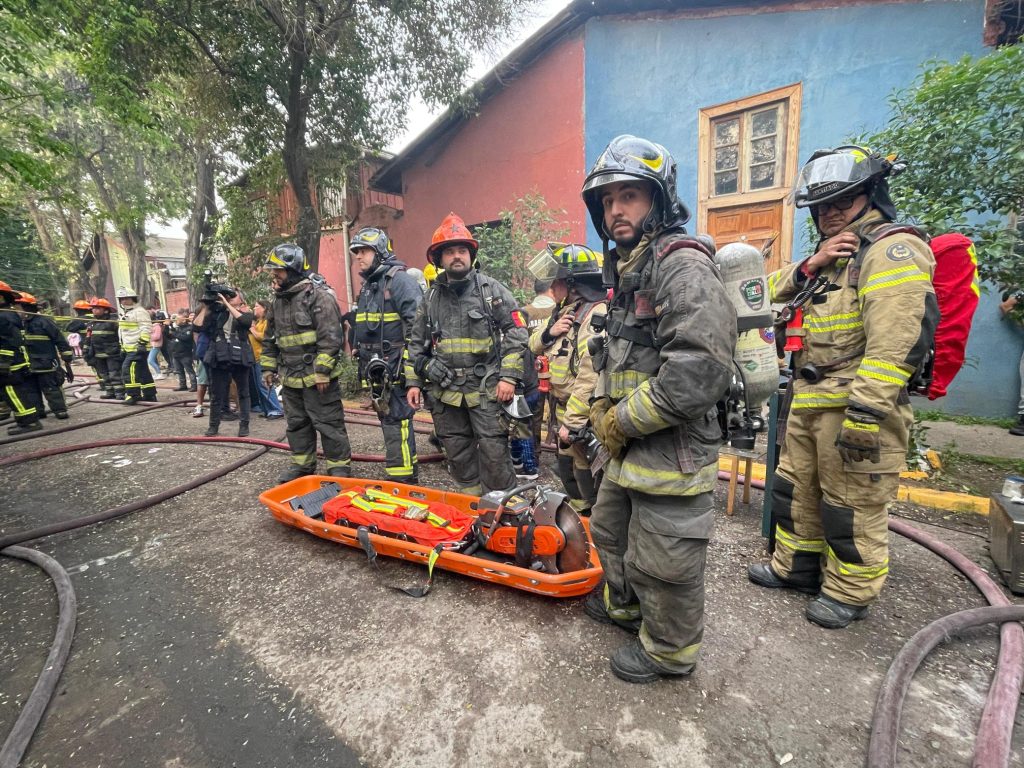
<point>632,664</point>
<point>295,471</point>
<point>832,614</point>
<point>595,608</point>
<point>763,575</point>
<point>21,429</point>
<point>1018,428</point>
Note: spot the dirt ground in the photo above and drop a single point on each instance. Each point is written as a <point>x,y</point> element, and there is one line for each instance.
<point>210,635</point>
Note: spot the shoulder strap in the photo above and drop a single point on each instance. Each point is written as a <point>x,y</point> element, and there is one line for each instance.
<point>663,246</point>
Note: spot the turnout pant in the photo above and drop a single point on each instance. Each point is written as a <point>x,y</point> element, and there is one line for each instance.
<point>220,389</point>
<point>21,395</point>
<point>308,412</point>
<point>475,445</point>
<point>831,520</point>
<point>399,438</point>
<point>138,379</point>
<point>653,551</point>
<point>51,386</point>
<point>108,369</point>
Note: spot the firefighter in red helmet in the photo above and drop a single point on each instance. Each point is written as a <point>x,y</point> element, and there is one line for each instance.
<point>466,350</point>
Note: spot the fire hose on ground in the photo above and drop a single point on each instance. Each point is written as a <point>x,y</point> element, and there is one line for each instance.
<point>995,730</point>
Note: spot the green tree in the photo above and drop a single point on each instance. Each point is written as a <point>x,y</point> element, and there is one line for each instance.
<point>960,127</point>
<point>22,263</point>
<point>507,247</point>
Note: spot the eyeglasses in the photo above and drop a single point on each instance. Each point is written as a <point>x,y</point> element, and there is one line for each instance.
<point>843,203</point>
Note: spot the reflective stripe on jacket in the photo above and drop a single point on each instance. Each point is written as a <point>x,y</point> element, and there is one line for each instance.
<point>666,378</point>
<point>302,342</point>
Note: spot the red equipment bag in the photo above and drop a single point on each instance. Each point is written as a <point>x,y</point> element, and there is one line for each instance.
<point>452,525</point>
<point>957,291</point>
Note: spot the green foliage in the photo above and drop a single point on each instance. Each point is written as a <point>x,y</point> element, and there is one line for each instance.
<point>349,378</point>
<point>507,247</point>
<point>22,263</point>
<point>956,418</point>
<point>960,127</point>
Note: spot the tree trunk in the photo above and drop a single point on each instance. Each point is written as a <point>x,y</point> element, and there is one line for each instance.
<point>133,233</point>
<point>296,157</point>
<point>200,228</point>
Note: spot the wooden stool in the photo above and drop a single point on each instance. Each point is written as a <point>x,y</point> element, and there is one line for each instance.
<point>735,454</point>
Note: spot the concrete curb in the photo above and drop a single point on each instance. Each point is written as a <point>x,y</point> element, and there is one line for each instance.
<point>927,497</point>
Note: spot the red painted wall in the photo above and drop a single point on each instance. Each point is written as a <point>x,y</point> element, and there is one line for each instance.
<point>527,136</point>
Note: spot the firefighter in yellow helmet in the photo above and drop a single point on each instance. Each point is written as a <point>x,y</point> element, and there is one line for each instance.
<point>671,332</point>
<point>574,273</point>
<point>865,335</point>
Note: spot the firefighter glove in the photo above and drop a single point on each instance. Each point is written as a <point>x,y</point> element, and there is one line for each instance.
<point>439,373</point>
<point>598,409</point>
<point>610,433</point>
<point>859,439</point>
<point>68,373</point>
<point>268,379</point>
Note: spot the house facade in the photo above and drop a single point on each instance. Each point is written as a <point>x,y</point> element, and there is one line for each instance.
<point>739,92</point>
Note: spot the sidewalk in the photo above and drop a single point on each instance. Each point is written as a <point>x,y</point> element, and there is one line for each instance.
<point>974,439</point>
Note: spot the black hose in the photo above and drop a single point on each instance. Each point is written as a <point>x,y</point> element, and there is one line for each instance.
<point>886,724</point>
<point>32,712</point>
<point>124,509</point>
<point>81,425</point>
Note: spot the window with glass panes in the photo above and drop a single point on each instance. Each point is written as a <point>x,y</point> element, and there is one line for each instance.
<point>748,149</point>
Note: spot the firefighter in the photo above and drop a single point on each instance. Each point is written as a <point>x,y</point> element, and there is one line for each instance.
<point>385,308</point>
<point>865,335</point>
<point>466,349</point>
<point>19,394</point>
<point>670,336</point>
<point>105,349</point>
<point>302,346</point>
<point>46,347</point>
<point>133,332</point>
<point>574,275</point>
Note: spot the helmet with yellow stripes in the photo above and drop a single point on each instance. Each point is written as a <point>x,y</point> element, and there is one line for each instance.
<point>376,240</point>
<point>288,256</point>
<point>630,158</point>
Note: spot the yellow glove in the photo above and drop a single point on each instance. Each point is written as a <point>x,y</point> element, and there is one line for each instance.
<point>598,409</point>
<point>609,432</point>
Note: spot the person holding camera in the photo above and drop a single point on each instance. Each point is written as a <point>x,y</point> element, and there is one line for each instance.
<point>226,320</point>
<point>302,345</point>
<point>1009,308</point>
<point>133,332</point>
<point>385,308</point>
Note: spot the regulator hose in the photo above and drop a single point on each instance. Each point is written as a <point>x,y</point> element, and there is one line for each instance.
<point>35,705</point>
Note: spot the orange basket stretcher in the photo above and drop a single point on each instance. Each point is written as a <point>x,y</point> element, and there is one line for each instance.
<point>484,568</point>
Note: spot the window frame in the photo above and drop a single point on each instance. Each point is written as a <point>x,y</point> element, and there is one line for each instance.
<point>789,98</point>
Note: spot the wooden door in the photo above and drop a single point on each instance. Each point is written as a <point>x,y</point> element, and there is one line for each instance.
<point>753,224</point>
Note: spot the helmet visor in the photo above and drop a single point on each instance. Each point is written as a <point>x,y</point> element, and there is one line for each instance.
<point>603,179</point>
<point>544,266</point>
<point>831,176</point>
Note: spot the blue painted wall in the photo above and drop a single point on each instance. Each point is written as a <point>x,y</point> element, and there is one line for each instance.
<point>651,78</point>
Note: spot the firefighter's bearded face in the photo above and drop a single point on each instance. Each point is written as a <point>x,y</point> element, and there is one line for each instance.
<point>626,205</point>
<point>457,261</point>
<point>278,278</point>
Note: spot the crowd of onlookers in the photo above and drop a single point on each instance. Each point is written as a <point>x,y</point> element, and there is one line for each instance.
<point>178,346</point>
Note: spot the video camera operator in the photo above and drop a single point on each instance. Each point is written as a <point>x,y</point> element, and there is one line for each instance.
<point>226,320</point>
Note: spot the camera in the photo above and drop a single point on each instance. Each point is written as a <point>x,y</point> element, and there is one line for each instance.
<point>214,290</point>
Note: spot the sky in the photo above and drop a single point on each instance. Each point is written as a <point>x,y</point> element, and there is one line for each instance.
<point>420,117</point>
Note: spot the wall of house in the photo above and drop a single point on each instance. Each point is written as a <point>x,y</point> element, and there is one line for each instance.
<point>650,77</point>
<point>527,136</point>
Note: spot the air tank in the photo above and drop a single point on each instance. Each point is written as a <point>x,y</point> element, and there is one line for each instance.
<point>742,267</point>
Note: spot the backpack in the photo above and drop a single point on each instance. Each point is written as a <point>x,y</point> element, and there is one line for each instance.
<point>957,291</point>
